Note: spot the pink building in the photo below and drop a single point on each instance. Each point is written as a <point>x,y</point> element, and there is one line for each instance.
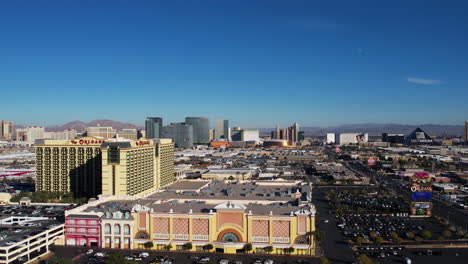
<point>83,229</point>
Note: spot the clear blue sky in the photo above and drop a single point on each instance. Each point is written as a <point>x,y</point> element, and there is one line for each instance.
<point>255,63</point>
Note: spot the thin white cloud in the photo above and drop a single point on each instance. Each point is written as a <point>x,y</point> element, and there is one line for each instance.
<point>423,81</point>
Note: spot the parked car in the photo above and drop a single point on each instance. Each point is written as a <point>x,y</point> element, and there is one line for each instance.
<point>144,255</point>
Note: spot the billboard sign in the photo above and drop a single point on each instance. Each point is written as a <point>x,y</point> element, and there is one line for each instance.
<point>421,209</point>
<point>421,196</point>
<point>421,182</point>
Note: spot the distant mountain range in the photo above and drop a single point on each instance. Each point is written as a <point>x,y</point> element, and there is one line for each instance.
<point>371,129</point>
<point>378,129</point>
<point>80,126</point>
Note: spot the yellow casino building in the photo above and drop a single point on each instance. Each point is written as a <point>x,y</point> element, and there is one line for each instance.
<point>281,223</point>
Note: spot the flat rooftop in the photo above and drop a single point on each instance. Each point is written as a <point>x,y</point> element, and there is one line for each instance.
<point>184,185</point>
<point>219,190</point>
<point>258,198</point>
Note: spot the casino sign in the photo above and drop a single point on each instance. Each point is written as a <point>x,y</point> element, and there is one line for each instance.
<point>421,182</point>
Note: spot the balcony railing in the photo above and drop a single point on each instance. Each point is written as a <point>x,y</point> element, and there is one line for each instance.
<point>181,236</point>
<point>200,237</point>
<point>81,233</point>
<point>261,239</point>
<point>161,236</point>
<point>282,240</point>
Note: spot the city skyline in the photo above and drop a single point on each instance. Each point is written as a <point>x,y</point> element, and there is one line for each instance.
<point>305,61</point>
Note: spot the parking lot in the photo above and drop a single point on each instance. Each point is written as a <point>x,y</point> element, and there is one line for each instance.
<point>399,254</point>
<point>53,212</point>
<point>179,257</point>
<point>386,226</point>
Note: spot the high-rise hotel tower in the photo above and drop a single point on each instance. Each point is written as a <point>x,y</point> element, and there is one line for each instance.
<point>90,166</point>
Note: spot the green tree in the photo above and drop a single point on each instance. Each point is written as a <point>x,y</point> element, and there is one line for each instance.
<point>379,240</point>
<point>393,234</point>
<point>288,250</point>
<point>208,247</point>
<point>168,247</point>
<point>398,240</point>
<point>410,235</point>
<point>364,259</point>
<point>373,234</point>
<point>188,246</point>
<point>426,234</point>
<point>447,233</point>
<point>268,249</point>
<point>148,245</point>
<point>359,240</point>
<point>418,239</point>
<point>324,260</point>
<point>18,197</point>
<point>248,247</point>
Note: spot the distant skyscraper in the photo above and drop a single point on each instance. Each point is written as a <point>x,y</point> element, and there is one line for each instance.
<point>466,130</point>
<point>291,134</point>
<point>222,129</point>
<point>295,132</point>
<point>6,130</point>
<point>30,134</point>
<point>104,132</point>
<point>129,133</point>
<point>153,127</point>
<point>212,134</point>
<point>278,133</point>
<point>300,135</point>
<point>201,129</point>
<point>283,134</point>
<point>236,134</point>
<point>180,133</point>
<point>331,138</point>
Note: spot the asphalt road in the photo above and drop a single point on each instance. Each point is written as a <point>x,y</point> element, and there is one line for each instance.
<point>334,244</point>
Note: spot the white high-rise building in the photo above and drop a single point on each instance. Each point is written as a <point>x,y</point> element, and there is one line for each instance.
<point>103,132</point>
<point>331,138</point>
<point>30,134</point>
<point>250,135</point>
<point>352,138</point>
<point>64,135</point>
<point>222,130</point>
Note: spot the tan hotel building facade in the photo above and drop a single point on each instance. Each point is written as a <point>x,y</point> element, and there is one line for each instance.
<point>91,166</point>
<point>186,213</point>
